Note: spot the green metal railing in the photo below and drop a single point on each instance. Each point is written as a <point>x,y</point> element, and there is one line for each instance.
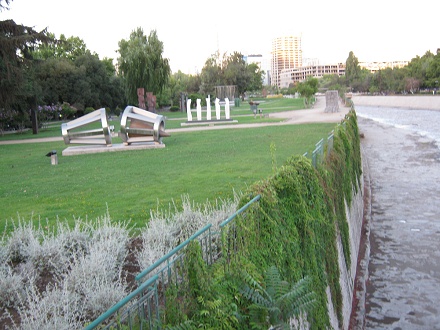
<point>318,152</point>
<point>330,142</point>
<point>166,263</point>
<point>229,236</point>
<point>140,309</point>
<point>144,302</point>
<point>169,268</point>
<point>144,312</point>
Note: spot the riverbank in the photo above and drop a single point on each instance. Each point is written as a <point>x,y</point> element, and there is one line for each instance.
<point>421,102</point>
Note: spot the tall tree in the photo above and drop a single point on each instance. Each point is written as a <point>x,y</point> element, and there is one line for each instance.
<point>308,89</point>
<point>433,74</point>
<point>352,69</point>
<point>211,75</point>
<point>235,72</point>
<point>255,77</point>
<point>68,48</point>
<point>85,82</point>
<point>17,88</point>
<point>232,70</point>
<point>141,64</point>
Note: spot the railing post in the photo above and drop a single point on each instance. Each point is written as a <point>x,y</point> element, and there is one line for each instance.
<point>330,142</point>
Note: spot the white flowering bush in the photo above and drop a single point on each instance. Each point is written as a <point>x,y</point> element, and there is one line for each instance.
<point>75,240</point>
<point>63,277</point>
<point>11,287</point>
<point>47,255</point>
<point>167,229</point>
<point>55,308</point>
<point>23,238</point>
<point>4,257</point>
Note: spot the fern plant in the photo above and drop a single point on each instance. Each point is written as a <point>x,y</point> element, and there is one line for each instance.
<point>278,302</point>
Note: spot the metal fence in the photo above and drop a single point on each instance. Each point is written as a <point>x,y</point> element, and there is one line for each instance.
<point>140,309</point>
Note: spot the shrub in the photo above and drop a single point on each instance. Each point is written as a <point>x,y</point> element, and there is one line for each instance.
<point>275,96</point>
<point>67,111</point>
<point>167,229</point>
<point>194,98</point>
<point>117,111</point>
<point>23,236</point>
<point>97,281</point>
<point>62,277</point>
<point>57,308</point>
<point>174,108</point>
<point>76,240</point>
<point>11,287</point>
<point>88,110</point>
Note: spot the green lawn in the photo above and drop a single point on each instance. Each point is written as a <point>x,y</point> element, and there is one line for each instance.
<point>206,165</point>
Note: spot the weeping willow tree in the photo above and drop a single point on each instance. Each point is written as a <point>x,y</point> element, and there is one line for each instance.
<point>142,65</point>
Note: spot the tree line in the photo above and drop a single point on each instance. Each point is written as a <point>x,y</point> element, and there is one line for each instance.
<point>43,76</point>
<point>421,75</point>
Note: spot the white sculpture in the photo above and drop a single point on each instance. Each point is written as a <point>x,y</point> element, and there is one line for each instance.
<point>188,110</point>
<point>227,110</point>
<point>199,109</point>
<point>217,108</point>
<point>208,108</point>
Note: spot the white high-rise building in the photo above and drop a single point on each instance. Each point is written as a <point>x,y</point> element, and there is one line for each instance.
<point>286,54</point>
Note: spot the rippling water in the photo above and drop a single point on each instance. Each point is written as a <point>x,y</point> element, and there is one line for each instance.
<point>423,122</point>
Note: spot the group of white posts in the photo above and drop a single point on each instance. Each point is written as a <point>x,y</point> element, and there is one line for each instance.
<point>208,109</point>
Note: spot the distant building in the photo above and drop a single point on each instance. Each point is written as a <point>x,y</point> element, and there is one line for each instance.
<point>310,61</point>
<point>286,55</point>
<point>376,66</point>
<point>287,65</point>
<point>291,76</point>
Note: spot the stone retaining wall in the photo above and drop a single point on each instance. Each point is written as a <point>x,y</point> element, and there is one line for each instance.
<point>355,214</point>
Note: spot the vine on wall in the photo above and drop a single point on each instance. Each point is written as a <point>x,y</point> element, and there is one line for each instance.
<point>294,228</point>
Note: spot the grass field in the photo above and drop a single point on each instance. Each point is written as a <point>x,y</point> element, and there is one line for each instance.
<point>205,165</point>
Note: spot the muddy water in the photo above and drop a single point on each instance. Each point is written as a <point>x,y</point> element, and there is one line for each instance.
<point>401,150</point>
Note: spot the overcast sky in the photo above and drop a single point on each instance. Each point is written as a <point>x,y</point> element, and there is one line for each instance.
<point>193,30</point>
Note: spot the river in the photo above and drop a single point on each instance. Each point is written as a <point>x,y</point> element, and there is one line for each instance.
<point>401,159</point>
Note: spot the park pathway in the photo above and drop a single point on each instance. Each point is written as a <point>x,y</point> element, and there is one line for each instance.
<point>402,161</point>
